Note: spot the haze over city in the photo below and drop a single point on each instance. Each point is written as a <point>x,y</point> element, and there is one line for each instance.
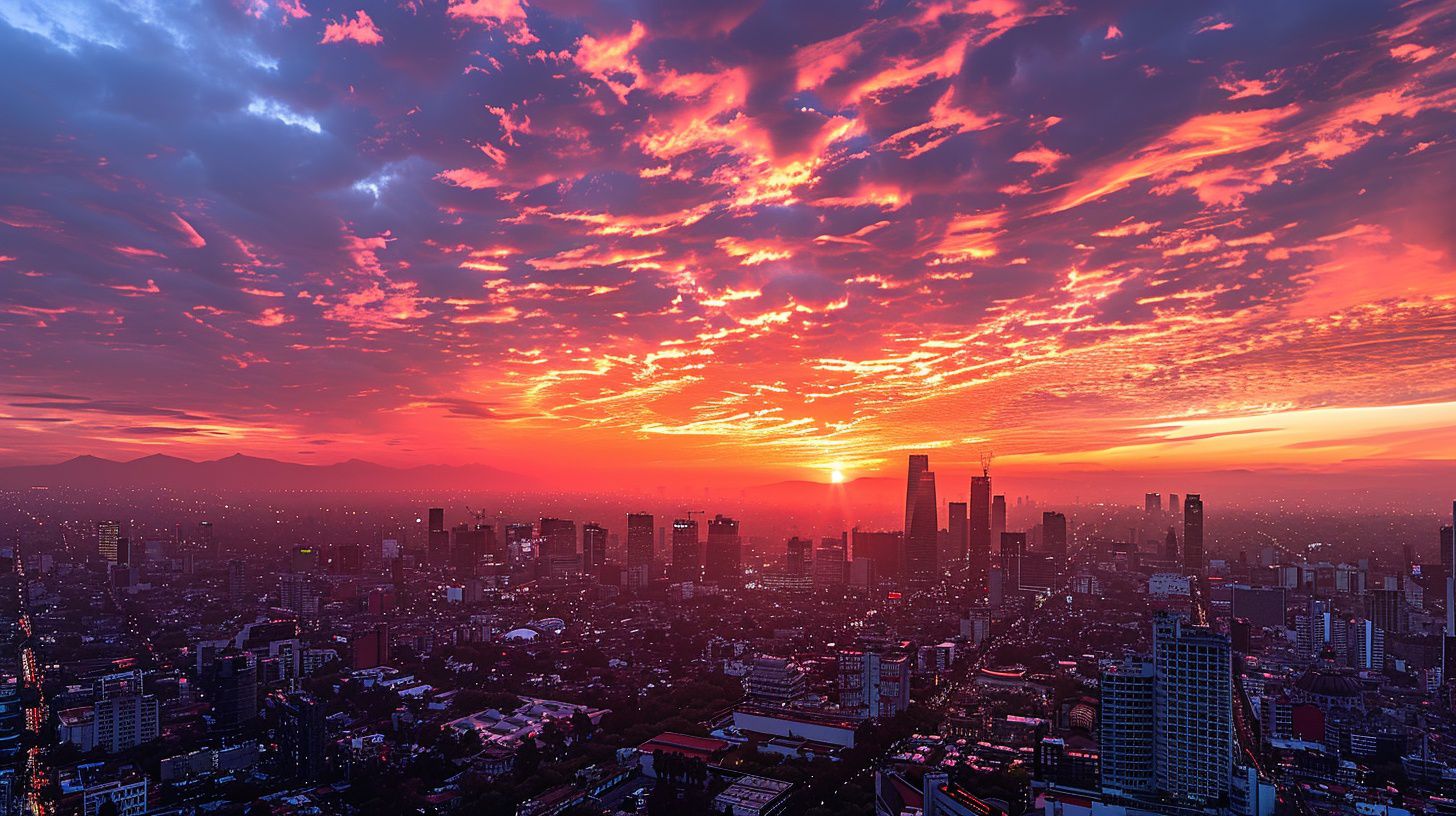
<point>734,244</point>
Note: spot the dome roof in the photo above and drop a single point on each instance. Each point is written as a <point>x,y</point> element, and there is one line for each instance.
<point>521,634</point>
<point>1329,683</point>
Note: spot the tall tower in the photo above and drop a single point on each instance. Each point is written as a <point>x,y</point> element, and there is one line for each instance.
<point>1125,728</point>
<point>1054,535</point>
<point>687,555</point>
<point>998,517</point>
<point>725,551</point>
<point>593,546</point>
<point>1448,559</point>
<point>108,538</point>
<point>1193,736</point>
<point>1193,534</point>
<point>959,540</point>
<point>918,562</point>
<point>980,526</point>
<point>639,539</point>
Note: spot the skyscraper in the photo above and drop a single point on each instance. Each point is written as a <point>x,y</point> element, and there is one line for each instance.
<point>639,539</point>
<point>687,553</point>
<point>437,541</point>
<point>959,527</point>
<point>725,551</point>
<point>798,556</point>
<point>1013,552</point>
<point>301,735</point>
<point>1054,535</point>
<point>1152,503</point>
<point>1193,737</point>
<point>1193,534</point>
<point>1126,728</point>
<point>108,534</point>
<point>918,562</point>
<point>1170,545</point>
<point>207,540</point>
<point>998,517</point>
<point>979,534</point>
<point>593,546</point>
<point>558,538</point>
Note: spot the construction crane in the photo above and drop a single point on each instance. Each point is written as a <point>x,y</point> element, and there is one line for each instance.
<point>692,513</point>
<point>986,456</point>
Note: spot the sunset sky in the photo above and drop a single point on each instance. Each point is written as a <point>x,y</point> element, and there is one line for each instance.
<point>758,240</point>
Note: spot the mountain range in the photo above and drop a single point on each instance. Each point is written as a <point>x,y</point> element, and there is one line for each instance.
<point>242,473</point>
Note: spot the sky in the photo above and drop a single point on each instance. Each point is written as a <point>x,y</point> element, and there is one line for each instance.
<point>741,241</point>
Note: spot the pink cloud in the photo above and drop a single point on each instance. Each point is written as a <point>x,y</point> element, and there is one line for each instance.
<point>361,30</point>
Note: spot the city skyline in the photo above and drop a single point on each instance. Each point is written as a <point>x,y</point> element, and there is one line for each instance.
<point>736,246</point>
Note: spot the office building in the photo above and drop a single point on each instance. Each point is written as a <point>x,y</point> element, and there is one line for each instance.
<point>1152,503</point>
<point>920,542</point>
<point>108,537</point>
<point>798,556</point>
<point>978,534</point>
<point>882,547</point>
<point>1193,534</point>
<point>558,539</point>
<point>639,540</point>
<point>687,551</point>
<point>233,682</point>
<point>1013,552</point>
<point>998,517</point>
<point>124,721</point>
<point>725,551</point>
<point>1193,710</point>
<point>1054,535</point>
<point>958,544</point>
<point>301,736</point>
<point>593,547</point>
<point>873,685</point>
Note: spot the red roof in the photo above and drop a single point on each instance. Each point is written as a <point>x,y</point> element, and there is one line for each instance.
<point>684,744</point>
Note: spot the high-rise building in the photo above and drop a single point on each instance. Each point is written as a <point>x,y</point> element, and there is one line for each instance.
<point>233,681</point>
<point>883,547</point>
<point>998,517</point>
<point>124,721</point>
<point>830,562</point>
<point>1193,710</point>
<point>798,556</point>
<point>1152,503</point>
<point>437,538</point>
<point>1174,508</point>
<point>725,551</point>
<point>108,534</point>
<point>1193,534</point>
<point>979,533</point>
<point>1013,552</point>
<point>774,681</point>
<point>1054,535</point>
<point>593,547</point>
<point>237,581</point>
<point>1126,728</point>
<point>687,551</point>
<point>1448,559</point>
<point>301,737</point>
<point>918,559</point>
<point>1386,607</point>
<point>1170,545</point>
<point>207,542</point>
<point>558,538</point>
<point>639,540</point>
<point>958,525</point>
<point>873,685</point>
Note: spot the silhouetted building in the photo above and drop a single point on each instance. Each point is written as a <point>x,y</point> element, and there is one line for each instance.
<point>593,547</point>
<point>639,540</point>
<point>798,556</point>
<point>1013,551</point>
<point>437,542</point>
<point>301,736</point>
<point>918,560</point>
<point>1152,503</point>
<point>958,526</point>
<point>687,551</point>
<point>979,532</point>
<point>233,680</point>
<point>883,547</point>
<point>1054,535</point>
<point>998,517</point>
<point>1193,534</point>
<point>108,536</point>
<point>725,551</point>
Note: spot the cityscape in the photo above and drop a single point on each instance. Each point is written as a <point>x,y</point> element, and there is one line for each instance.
<point>727,408</point>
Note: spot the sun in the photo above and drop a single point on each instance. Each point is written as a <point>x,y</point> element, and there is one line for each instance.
<point>836,476</point>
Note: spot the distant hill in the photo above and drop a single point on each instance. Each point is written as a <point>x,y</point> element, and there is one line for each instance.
<point>242,473</point>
